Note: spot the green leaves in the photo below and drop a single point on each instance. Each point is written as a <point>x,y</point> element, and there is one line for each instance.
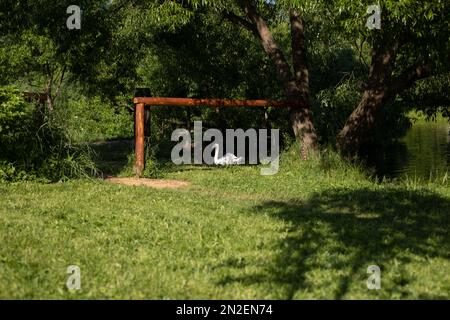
<point>12,112</point>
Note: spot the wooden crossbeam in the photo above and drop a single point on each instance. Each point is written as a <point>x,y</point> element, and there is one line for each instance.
<point>192,102</point>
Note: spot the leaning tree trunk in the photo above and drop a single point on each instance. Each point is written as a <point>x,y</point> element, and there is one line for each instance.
<point>381,88</point>
<point>358,126</point>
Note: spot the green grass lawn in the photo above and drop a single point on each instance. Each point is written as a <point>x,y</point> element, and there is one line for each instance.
<point>310,231</point>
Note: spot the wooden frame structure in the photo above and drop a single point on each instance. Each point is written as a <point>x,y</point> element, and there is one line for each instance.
<point>141,102</point>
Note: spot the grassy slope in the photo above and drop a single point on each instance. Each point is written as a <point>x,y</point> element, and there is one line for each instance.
<point>310,231</point>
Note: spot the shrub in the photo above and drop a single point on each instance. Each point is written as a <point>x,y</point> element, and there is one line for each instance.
<point>93,119</point>
<point>15,116</point>
<point>34,145</point>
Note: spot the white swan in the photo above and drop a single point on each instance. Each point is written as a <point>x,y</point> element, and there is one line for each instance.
<point>228,159</point>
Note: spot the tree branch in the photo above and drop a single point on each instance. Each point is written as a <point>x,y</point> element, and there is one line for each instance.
<point>58,89</point>
<point>50,73</point>
<point>299,58</point>
<point>409,76</point>
<point>234,18</point>
<point>271,47</point>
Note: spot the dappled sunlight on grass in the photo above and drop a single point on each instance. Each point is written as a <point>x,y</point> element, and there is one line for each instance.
<point>328,233</point>
<point>309,231</point>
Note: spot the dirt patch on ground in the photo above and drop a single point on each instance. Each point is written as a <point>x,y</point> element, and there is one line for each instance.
<point>154,183</point>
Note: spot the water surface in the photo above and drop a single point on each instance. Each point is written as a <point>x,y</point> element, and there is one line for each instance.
<point>423,153</point>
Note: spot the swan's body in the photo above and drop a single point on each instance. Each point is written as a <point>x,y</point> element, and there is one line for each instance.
<point>227,159</point>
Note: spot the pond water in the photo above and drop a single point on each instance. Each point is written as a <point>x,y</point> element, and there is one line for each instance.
<point>423,153</point>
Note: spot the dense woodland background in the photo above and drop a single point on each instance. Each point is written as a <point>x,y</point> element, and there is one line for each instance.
<point>308,232</point>
<point>360,84</point>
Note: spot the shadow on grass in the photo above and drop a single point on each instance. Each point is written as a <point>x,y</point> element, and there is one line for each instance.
<point>344,231</point>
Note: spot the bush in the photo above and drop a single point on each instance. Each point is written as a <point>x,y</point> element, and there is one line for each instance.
<point>92,118</point>
<point>15,116</point>
<point>34,145</point>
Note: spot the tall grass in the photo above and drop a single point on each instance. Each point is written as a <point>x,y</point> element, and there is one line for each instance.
<point>37,145</point>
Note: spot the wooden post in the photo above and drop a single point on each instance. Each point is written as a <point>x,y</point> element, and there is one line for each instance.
<point>139,133</point>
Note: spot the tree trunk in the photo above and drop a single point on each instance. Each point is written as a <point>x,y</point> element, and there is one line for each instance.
<point>357,127</point>
<point>50,104</point>
<point>381,87</point>
<point>297,84</point>
<point>301,119</point>
<point>52,74</point>
<point>48,94</point>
